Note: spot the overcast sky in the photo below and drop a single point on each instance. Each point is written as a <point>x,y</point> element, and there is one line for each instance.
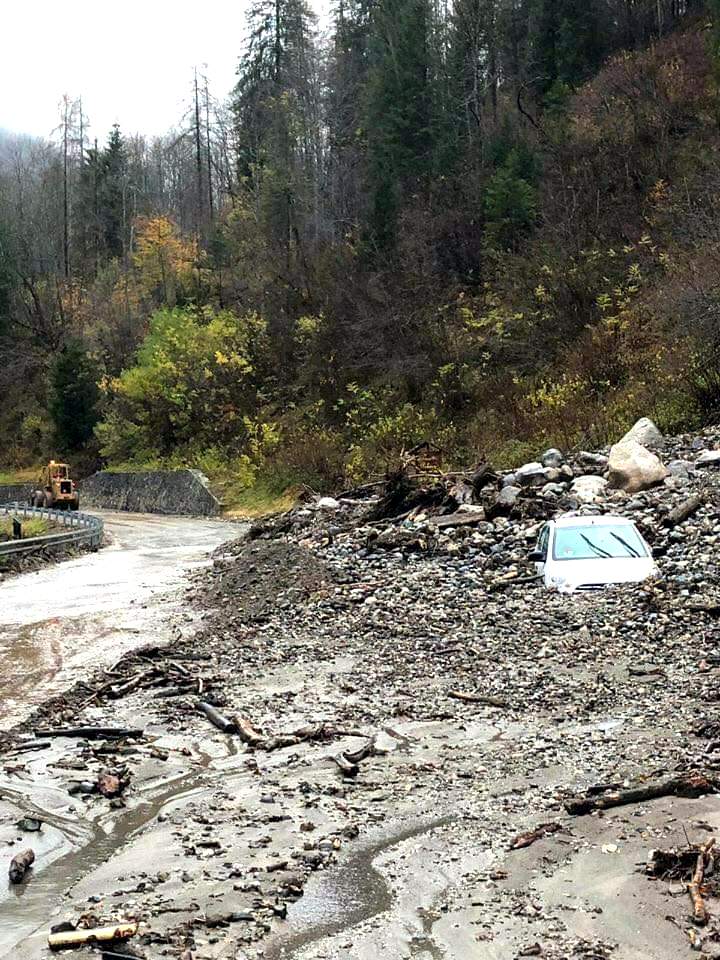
<point>131,62</point>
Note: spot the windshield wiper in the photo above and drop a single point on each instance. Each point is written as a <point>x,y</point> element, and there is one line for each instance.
<point>631,550</point>
<point>598,550</point>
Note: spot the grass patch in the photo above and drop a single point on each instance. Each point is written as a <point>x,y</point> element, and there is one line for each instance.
<point>261,498</point>
<point>30,528</point>
<point>25,475</point>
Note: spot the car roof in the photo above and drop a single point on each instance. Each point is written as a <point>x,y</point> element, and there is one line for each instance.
<point>593,521</point>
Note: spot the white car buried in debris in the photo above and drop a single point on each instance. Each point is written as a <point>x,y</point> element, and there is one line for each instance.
<point>585,553</point>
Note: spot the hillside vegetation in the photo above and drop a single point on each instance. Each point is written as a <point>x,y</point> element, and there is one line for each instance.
<point>495,226</point>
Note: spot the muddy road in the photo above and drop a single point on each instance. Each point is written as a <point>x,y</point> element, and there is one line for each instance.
<point>65,620</point>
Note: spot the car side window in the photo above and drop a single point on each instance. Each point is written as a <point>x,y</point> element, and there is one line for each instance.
<point>543,540</point>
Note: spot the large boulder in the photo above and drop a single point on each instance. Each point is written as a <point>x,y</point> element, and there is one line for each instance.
<point>588,488</point>
<point>646,434</point>
<point>632,467</point>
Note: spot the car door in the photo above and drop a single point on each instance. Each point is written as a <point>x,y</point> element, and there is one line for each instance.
<point>542,549</point>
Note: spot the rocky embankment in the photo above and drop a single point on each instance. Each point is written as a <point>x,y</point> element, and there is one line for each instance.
<point>377,735</point>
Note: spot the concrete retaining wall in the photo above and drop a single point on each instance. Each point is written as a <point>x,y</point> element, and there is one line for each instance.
<point>161,491</point>
<point>10,492</point>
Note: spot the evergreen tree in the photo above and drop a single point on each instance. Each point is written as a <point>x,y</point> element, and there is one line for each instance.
<point>276,107</point>
<point>88,238</point>
<point>398,117</point>
<point>7,279</point>
<point>113,195</point>
<point>346,83</point>
<point>568,40</point>
<point>74,396</point>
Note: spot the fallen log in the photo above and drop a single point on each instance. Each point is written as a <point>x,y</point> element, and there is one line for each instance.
<point>460,518</point>
<point>686,785</point>
<point>528,838</point>
<point>700,914</point>
<point>78,938</point>
<point>478,698</point>
<point>217,718</point>
<point>20,864</point>
<point>92,733</point>
<point>684,511</point>
<point>247,732</point>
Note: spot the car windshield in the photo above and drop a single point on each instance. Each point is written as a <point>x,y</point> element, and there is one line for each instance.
<point>608,541</point>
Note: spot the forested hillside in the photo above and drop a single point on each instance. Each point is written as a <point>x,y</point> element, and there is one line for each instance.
<point>490,223</point>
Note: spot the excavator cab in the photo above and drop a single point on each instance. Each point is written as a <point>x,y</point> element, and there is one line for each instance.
<point>57,490</point>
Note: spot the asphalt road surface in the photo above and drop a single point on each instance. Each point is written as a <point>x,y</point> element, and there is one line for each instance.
<point>60,622</point>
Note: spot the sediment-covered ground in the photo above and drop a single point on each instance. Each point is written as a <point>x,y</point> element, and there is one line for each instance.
<point>408,718</point>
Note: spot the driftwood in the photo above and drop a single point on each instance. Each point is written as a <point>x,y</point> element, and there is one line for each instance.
<point>347,767</point>
<point>700,914</point>
<point>313,731</point>
<point>527,839</point>
<point>92,733</point>
<point>78,938</point>
<point>217,718</point>
<point>20,864</point>
<point>122,689</point>
<point>685,785</point>
<point>247,732</point>
<point>27,747</point>
<point>461,518</point>
<point>686,509</point>
<point>366,750</point>
<point>478,698</point>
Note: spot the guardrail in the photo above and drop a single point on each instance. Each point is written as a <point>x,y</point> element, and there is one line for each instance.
<point>82,529</point>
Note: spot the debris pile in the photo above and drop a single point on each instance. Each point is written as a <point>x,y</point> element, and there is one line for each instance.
<point>373,704</point>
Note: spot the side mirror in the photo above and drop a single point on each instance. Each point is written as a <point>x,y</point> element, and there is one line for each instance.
<point>536,556</point>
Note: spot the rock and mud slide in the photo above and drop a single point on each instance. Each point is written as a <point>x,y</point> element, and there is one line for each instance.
<point>373,733</point>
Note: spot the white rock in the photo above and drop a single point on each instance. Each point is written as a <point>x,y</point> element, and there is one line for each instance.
<point>708,458</point>
<point>530,474</point>
<point>632,467</point>
<point>589,488</point>
<point>552,458</point>
<point>328,503</point>
<point>646,434</point>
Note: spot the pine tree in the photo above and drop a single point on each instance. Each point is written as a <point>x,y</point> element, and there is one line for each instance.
<point>113,195</point>
<point>346,83</point>
<point>7,279</point>
<point>74,396</point>
<point>88,240</point>
<point>568,40</point>
<point>276,108</point>
<point>398,118</point>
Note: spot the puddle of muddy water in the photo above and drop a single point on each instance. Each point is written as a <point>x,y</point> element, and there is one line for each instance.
<point>81,848</point>
<point>349,893</point>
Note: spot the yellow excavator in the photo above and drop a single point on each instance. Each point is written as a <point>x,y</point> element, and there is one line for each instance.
<point>56,489</point>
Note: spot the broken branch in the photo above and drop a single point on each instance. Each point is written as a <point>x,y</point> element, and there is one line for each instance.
<point>687,785</point>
